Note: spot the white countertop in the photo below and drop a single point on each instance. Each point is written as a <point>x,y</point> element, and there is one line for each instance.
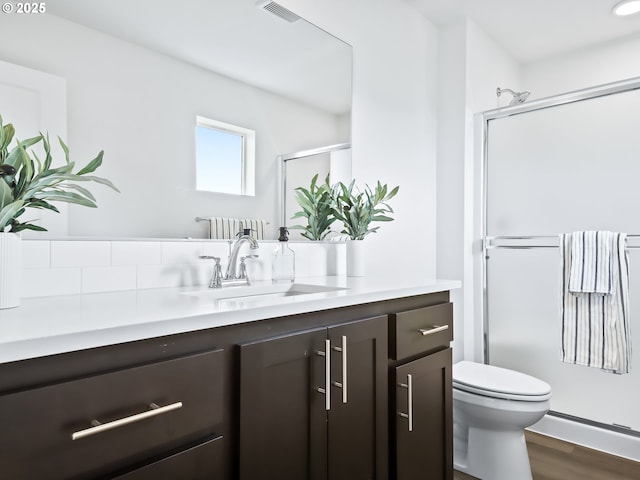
<point>50,325</point>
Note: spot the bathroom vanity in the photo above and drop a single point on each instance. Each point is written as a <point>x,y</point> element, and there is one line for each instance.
<point>350,379</point>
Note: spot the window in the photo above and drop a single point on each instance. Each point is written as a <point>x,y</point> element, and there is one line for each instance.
<point>225,158</point>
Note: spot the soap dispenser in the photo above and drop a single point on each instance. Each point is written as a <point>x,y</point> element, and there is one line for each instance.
<point>283,260</point>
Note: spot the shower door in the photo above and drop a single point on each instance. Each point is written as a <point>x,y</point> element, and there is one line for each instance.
<point>550,168</point>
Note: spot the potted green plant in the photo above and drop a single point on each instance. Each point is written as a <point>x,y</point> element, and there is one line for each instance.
<point>358,210</point>
<point>317,207</point>
<point>27,181</point>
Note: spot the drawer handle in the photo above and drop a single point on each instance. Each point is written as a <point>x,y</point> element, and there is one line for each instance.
<point>102,427</point>
<point>434,329</point>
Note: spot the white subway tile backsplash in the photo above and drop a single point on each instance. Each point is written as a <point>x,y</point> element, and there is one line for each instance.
<point>36,254</point>
<point>216,249</point>
<point>158,276</point>
<point>176,275</point>
<point>310,258</point>
<point>180,252</point>
<point>259,268</point>
<point>108,279</point>
<point>80,253</point>
<point>63,267</point>
<point>136,253</point>
<point>44,282</point>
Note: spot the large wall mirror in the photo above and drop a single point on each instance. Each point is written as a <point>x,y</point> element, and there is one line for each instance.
<point>298,169</point>
<point>139,73</point>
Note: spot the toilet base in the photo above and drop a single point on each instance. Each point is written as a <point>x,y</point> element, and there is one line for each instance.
<point>491,455</point>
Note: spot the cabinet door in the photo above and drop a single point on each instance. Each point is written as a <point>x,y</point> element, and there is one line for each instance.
<point>424,418</point>
<point>358,419</point>
<point>282,413</point>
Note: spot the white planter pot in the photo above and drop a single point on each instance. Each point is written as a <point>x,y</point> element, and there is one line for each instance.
<point>355,258</point>
<point>10,269</point>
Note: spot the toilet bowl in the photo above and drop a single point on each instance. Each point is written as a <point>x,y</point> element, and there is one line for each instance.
<point>491,408</point>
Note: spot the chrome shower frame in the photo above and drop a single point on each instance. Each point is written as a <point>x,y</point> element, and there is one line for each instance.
<point>482,120</point>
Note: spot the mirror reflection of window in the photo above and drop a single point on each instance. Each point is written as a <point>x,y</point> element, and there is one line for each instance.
<point>225,158</point>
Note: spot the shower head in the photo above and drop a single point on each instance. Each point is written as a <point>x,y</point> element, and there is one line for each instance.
<point>518,97</point>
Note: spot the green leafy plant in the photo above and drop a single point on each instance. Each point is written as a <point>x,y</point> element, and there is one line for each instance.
<point>357,210</point>
<point>317,207</point>
<point>28,182</point>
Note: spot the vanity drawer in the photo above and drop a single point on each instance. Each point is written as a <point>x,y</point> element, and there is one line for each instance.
<point>203,461</point>
<point>421,330</point>
<point>151,409</point>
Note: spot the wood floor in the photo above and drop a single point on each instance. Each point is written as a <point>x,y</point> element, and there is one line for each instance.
<point>553,459</point>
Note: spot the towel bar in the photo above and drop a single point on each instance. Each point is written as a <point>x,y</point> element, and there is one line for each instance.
<point>537,241</point>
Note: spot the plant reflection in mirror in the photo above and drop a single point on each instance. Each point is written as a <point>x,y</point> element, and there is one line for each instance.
<point>26,181</point>
<point>317,207</point>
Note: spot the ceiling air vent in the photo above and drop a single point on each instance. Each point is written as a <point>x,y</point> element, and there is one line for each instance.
<point>279,11</point>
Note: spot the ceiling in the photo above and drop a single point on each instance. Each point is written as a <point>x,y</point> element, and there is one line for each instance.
<point>531,30</point>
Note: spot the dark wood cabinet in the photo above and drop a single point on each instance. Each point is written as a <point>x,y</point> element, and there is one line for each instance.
<point>112,421</point>
<point>421,412</point>
<point>423,420</point>
<point>313,404</point>
<point>201,462</point>
<point>252,401</point>
<point>282,424</point>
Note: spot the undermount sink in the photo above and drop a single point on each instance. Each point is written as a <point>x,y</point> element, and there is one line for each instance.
<point>258,292</point>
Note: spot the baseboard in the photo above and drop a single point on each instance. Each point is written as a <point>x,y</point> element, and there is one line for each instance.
<point>614,443</point>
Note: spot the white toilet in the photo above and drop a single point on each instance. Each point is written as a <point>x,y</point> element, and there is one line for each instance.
<point>491,408</point>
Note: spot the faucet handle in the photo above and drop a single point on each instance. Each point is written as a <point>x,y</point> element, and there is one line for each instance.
<point>243,267</point>
<point>216,276</point>
<point>210,257</point>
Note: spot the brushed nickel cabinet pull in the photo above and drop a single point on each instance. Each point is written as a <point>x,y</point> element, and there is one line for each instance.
<point>98,427</point>
<point>343,384</point>
<point>327,374</point>
<point>409,387</point>
<point>433,329</point>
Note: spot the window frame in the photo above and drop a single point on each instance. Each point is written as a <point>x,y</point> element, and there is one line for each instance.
<point>248,160</point>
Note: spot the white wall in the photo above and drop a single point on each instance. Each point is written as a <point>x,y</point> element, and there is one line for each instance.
<point>470,67</point>
<point>140,107</point>
<point>584,68</point>
<point>394,119</point>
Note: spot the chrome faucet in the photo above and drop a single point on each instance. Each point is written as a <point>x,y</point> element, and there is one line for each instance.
<point>232,276</point>
<point>232,269</point>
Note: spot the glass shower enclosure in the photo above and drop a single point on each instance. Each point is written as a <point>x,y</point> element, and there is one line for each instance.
<point>559,165</point>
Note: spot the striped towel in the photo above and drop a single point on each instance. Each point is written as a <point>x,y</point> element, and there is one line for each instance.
<point>591,262</point>
<point>595,324</point>
<point>224,228</point>
<point>258,227</point>
<point>228,228</point>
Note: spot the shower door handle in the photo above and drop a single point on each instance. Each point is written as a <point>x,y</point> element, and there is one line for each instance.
<point>409,414</point>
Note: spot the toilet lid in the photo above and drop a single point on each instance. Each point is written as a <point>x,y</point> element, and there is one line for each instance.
<point>498,382</point>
